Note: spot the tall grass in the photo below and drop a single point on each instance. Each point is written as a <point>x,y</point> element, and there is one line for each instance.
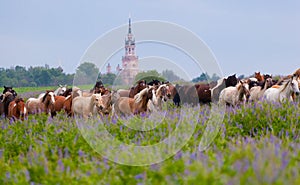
<point>257,144</point>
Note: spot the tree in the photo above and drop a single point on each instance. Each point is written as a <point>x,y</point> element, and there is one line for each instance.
<point>86,73</point>
<point>170,75</point>
<point>108,78</point>
<point>149,76</point>
<point>202,78</point>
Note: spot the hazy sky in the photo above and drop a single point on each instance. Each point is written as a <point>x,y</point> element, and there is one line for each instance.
<point>244,36</point>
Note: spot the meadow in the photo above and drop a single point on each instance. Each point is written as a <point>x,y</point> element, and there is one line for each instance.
<point>257,144</point>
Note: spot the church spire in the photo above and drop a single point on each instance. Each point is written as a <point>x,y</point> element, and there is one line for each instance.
<point>129,25</point>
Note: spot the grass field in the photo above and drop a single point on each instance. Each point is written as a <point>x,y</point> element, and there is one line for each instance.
<point>257,144</point>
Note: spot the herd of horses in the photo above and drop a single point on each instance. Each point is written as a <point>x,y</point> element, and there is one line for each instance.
<point>149,97</point>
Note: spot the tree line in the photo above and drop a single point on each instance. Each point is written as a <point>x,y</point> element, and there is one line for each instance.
<point>86,73</point>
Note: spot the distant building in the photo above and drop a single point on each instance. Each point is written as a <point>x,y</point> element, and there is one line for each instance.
<point>108,68</point>
<point>130,66</point>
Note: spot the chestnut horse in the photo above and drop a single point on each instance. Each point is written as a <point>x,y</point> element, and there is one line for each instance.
<point>125,106</point>
<point>48,101</point>
<point>17,109</point>
<point>140,86</point>
<point>67,106</point>
<point>58,105</point>
<point>259,77</point>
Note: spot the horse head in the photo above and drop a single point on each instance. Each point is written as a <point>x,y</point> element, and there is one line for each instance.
<point>104,104</point>
<point>49,98</point>
<point>295,84</point>
<point>60,90</point>
<point>258,76</point>
<point>9,89</point>
<point>266,76</point>
<point>243,89</point>
<point>231,80</point>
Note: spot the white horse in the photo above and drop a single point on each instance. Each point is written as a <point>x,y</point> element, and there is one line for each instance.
<point>235,95</point>
<point>257,92</point>
<point>60,90</point>
<point>87,106</point>
<point>284,92</point>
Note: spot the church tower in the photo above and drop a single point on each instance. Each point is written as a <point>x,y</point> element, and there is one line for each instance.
<point>108,69</point>
<point>129,60</point>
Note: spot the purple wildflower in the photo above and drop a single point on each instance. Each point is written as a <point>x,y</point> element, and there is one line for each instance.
<point>139,176</point>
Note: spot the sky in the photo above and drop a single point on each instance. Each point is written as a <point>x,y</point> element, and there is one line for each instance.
<point>243,36</point>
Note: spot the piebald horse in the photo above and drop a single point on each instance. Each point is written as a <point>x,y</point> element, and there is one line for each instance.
<point>48,101</point>
<point>17,109</point>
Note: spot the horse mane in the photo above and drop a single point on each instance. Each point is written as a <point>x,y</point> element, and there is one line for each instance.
<point>284,85</point>
<point>44,97</point>
<point>139,96</point>
<point>160,88</point>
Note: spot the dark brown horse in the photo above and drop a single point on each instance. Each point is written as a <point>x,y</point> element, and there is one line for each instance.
<point>140,86</point>
<point>190,94</point>
<point>9,89</point>
<point>7,98</point>
<point>223,83</point>
<point>17,109</point>
<point>231,81</point>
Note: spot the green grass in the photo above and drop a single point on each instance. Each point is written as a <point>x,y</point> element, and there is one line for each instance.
<point>257,144</point>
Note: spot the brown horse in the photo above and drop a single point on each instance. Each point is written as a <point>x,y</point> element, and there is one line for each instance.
<point>259,77</point>
<point>17,109</point>
<point>48,101</point>
<point>204,93</point>
<point>6,99</point>
<point>140,86</point>
<point>67,106</point>
<point>1,105</point>
<point>297,72</point>
<point>126,106</point>
<point>58,105</point>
